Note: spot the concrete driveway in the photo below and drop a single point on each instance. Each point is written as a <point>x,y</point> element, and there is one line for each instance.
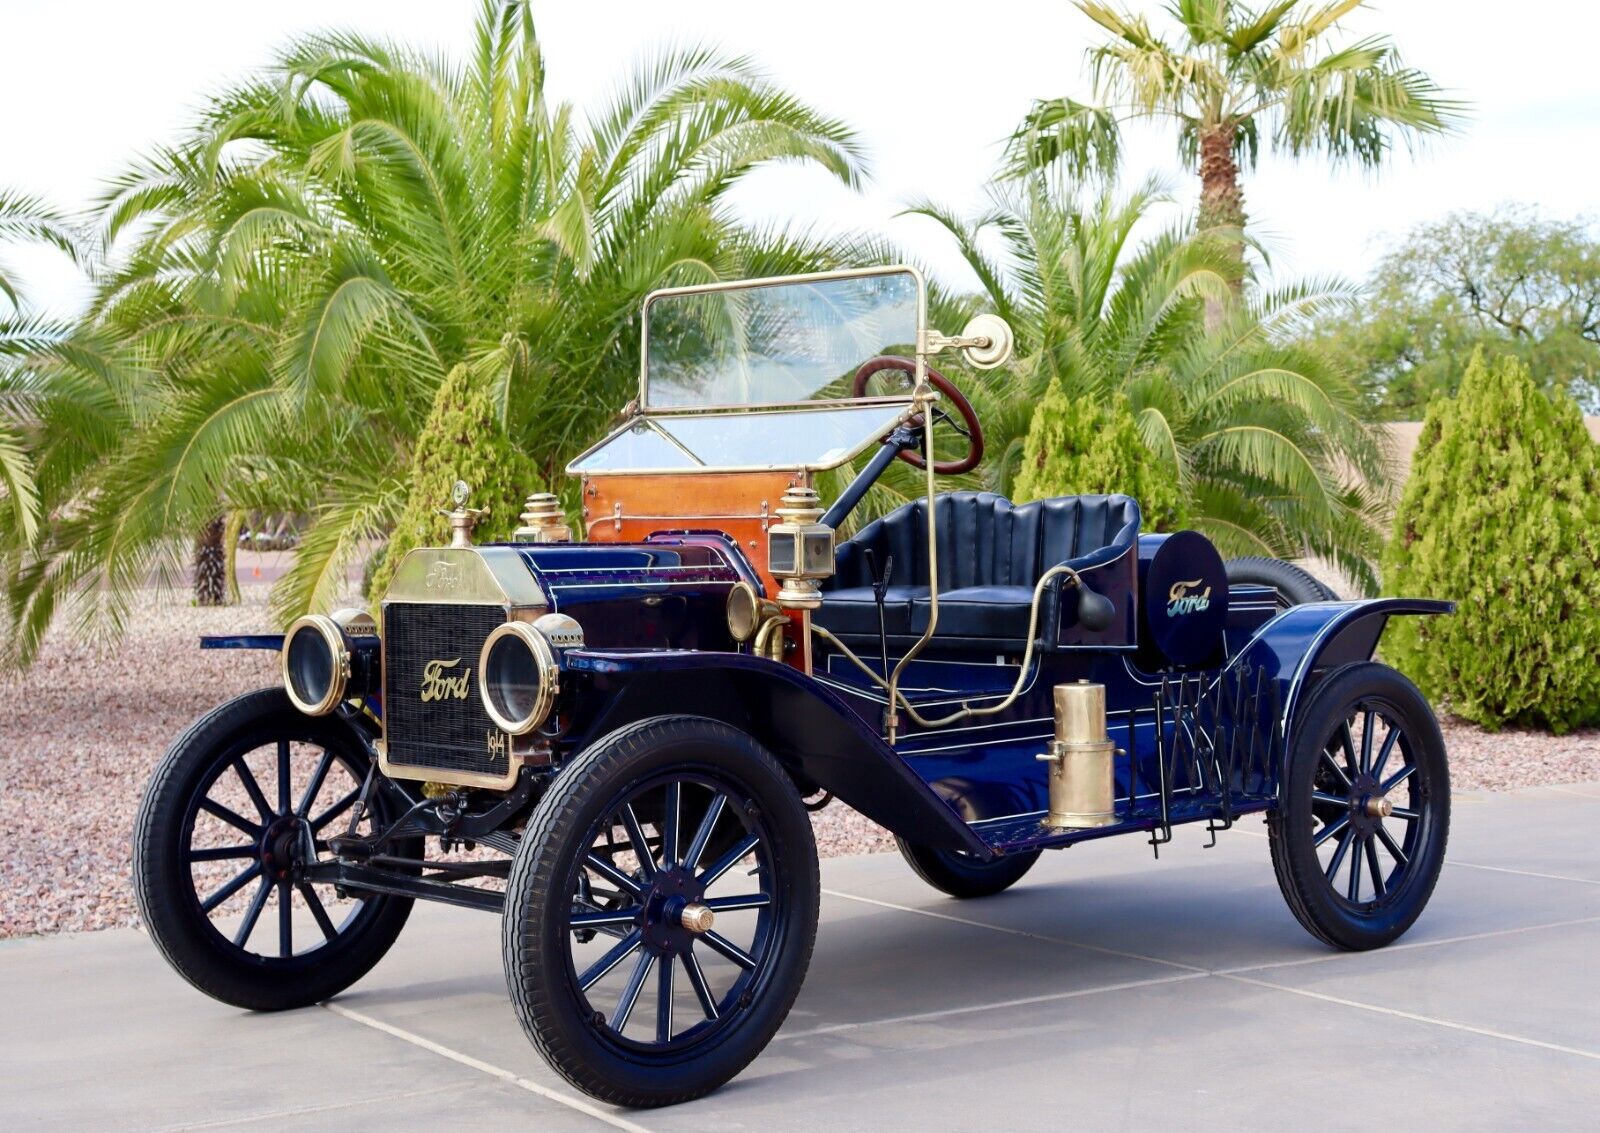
<point>1106,991</point>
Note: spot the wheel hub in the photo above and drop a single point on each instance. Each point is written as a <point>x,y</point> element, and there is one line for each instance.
<point>283,846</point>
<point>1369,806</point>
<point>674,912</point>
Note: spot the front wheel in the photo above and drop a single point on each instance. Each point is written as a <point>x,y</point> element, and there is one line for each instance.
<point>661,911</point>
<point>1358,841</point>
<point>241,803</point>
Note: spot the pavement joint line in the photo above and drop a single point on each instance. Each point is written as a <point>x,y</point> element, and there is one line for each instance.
<point>975,1008</point>
<point>305,1110</point>
<point>1570,790</point>
<point>1019,932</point>
<point>1393,1012</point>
<point>1409,946</point>
<point>508,1076</point>
<point>1493,868</point>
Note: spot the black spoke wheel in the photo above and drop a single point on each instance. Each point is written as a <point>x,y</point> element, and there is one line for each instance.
<point>1359,839</point>
<point>238,807</point>
<point>661,911</point>
<point>962,875</point>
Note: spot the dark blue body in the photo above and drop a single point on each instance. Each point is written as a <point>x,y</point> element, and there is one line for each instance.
<point>657,643</point>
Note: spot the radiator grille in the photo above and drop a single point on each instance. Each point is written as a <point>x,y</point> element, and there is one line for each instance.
<point>447,732</point>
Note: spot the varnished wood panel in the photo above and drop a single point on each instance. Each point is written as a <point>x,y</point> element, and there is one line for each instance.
<point>627,508</point>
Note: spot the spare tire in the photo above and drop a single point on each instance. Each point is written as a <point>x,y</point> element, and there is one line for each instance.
<point>1294,586</point>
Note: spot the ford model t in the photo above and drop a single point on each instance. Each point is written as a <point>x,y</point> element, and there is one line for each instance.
<point>612,737</point>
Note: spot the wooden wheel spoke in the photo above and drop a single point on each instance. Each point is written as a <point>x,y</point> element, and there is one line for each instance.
<point>728,860</point>
<point>603,966</point>
<point>636,838</point>
<point>1397,778</point>
<point>317,777</point>
<point>335,810</point>
<point>253,789</point>
<point>1384,752</point>
<point>283,776</point>
<point>614,875</point>
<point>1353,883</point>
<point>1404,814</point>
<point>727,948</point>
<point>1333,827</point>
<point>1378,887</point>
<point>604,918</point>
<point>221,853</point>
<point>664,971</point>
<point>1367,720</point>
<point>1333,765</point>
<point>1339,852</point>
<point>734,904</point>
<point>1341,801</point>
<point>1392,846</point>
<point>231,888</point>
<point>239,822</point>
<point>319,913</point>
<point>252,915</point>
<point>285,921</point>
<point>697,980</point>
<point>697,846</point>
<point>1348,743</point>
<point>630,994</point>
<point>670,805</point>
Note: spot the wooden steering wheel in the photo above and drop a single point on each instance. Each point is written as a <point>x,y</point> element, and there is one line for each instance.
<point>970,427</point>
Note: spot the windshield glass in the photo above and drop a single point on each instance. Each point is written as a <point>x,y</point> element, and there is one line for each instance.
<point>770,439</point>
<point>777,343</point>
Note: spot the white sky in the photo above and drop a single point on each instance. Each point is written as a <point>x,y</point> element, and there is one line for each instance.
<point>932,87</point>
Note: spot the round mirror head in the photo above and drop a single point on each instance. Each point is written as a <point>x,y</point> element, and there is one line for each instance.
<point>1001,341</point>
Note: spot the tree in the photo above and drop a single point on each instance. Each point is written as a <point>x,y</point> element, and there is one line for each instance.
<point>343,232</point>
<point>1231,77</point>
<point>463,439</point>
<point>1508,281</point>
<point>1077,446</point>
<point>1264,437</point>
<point>1502,514</point>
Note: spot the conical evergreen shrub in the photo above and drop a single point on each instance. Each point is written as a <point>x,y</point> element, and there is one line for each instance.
<point>1502,514</point>
<point>462,439</point>
<point>1078,446</point>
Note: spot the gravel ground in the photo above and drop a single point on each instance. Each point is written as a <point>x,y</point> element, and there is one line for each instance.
<point>83,728</point>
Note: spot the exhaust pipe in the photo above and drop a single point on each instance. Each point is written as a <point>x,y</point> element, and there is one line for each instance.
<point>1081,758</point>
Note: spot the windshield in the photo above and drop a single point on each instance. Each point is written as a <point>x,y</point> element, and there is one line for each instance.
<point>778,342</point>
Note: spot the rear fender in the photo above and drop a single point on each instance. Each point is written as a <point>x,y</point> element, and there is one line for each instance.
<point>816,736</point>
<point>1300,646</point>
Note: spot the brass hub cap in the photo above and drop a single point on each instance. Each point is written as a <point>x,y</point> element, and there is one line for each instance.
<point>697,918</point>
<point>1379,806</point>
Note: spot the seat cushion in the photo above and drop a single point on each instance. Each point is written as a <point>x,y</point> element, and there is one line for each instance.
<point>853,610</point>
<point>994,612</point>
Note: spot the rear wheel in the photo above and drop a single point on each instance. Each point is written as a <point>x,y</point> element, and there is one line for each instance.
<point>1359,839</point>
<point>962,875</point>
<point>1295,586</point>
<point>661,911</point>
<point>238,806</point>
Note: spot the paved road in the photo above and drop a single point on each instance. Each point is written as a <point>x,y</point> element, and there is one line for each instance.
<point>1105,992</point>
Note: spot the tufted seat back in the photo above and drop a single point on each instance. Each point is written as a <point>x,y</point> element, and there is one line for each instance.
<point>991,555</point>
<point>986,540</point>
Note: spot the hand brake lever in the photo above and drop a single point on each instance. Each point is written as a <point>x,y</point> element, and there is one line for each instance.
<point>880,591</point>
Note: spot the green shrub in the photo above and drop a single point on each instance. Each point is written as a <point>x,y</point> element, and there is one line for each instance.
<point>1502,514</point>
<point>462,439</point>
<point>1078,446</point>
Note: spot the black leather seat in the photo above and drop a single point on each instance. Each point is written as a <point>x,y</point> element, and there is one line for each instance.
<point>991,555</point>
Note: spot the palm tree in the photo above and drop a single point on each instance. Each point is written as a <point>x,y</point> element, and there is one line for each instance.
<point>1232,77</point>
<point>1263,436</point>
<point>341,233</point>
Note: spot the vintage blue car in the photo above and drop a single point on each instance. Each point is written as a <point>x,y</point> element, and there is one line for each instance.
<point>614,741</point>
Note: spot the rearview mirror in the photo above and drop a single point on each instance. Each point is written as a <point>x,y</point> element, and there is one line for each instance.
<point>994,341</point>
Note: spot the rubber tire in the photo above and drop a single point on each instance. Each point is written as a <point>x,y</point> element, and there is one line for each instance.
<point>535,954</point>
<point>1295,585</point>
<point>1294,859</point>
<point>162,889</point>
<point>965,877</point>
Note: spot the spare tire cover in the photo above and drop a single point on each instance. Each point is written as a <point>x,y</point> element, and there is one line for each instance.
<point>1183,587</point>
